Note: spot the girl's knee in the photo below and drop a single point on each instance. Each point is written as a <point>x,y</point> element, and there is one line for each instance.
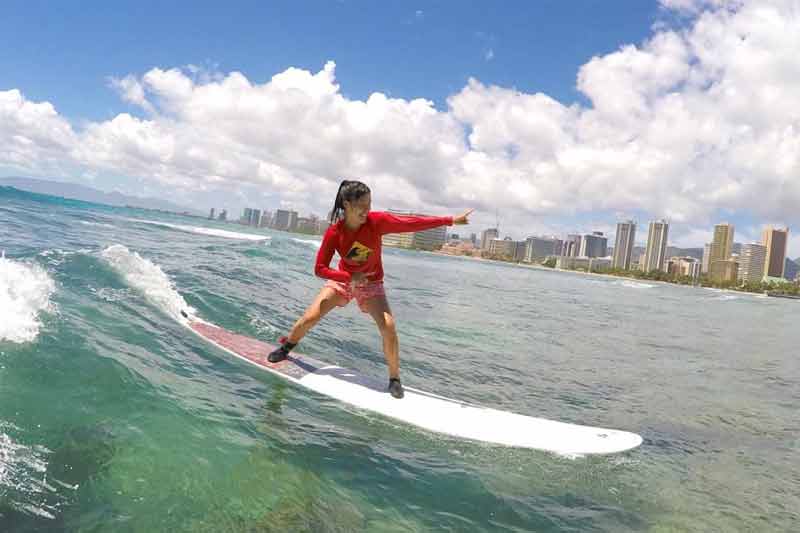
<point>311,317</point>
<point>388,327</point>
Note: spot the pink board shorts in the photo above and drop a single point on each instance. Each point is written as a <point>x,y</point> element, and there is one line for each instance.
<point>361,292</point>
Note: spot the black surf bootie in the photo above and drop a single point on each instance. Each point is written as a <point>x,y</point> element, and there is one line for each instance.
<point>396,388</point>
<point>281,352</point>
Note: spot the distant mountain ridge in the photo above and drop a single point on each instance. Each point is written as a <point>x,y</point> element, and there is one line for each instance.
<point>674,251</point>
<point>88,194</point>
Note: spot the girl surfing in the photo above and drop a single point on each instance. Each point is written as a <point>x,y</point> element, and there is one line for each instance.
<point>355,233</point>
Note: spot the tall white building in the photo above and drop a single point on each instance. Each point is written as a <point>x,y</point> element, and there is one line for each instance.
<point>623,245</point>
<point>656,251</point>
<point>571,246</point>
<point>706,258</point>
<point>751,262</point>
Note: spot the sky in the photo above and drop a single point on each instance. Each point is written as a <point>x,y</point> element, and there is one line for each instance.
<point>549,116</point>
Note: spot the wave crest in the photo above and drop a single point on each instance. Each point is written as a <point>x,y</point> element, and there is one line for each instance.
<point>25,291</point>
<point>146,277</point>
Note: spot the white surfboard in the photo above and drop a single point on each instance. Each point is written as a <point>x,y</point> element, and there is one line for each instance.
<point>425,410</point>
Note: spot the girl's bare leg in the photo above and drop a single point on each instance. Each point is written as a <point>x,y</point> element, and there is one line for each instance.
<point>326,300</point>
<point>378,309</point>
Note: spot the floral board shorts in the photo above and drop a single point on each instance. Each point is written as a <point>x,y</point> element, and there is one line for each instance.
<point>361,292</point>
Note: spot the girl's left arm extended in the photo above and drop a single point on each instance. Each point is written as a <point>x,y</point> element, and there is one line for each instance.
<point>391,223</point>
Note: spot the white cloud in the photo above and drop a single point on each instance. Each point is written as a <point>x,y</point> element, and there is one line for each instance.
<point>131,91</point>
<point>693,121</point>
<point>32,135</point>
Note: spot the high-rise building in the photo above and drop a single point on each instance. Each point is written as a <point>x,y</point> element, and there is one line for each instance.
<point>623,245</point>
<point>688,266</point>
<point>255,218</point>
<point>790,270</point>
<point>775,241</point>
<point>683,266</point>
<point>751,262</point>
<point>720,250</point>
<point>593,245</point>
<point>706,258</point>
<point>251,217</point>
<point>429,239</point>
<point>722,244</point>
<point>571,247</point>
<point>306,225</point>
<point>724,270</point>
<point>211,214</point>
<point>656,251</point>
<point>399,240</point>
<point>558,245</point>
<point>507,248</point>
<point>487,236</point>
<point>285,220</point>
<point>539,248</point>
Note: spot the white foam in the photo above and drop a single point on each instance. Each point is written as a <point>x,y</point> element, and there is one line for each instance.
<point>146,277</point>
<point>310,242</point>
<point>25,291</point>
<point>635,285</point>
<point>207,231</point>
<point>20,469</point>
<point>97,224</point>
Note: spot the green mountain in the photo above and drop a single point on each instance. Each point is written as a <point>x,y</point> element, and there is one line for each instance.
<point>88,194</point>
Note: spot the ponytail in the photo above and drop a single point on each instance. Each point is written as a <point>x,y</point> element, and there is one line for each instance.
<point>349,191</point>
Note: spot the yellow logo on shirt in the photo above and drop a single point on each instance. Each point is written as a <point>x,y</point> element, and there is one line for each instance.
<point>358,253</point>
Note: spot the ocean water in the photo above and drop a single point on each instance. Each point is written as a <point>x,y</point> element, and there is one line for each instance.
<point>114,418</point>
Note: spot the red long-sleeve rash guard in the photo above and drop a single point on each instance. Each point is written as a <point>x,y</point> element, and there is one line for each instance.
<point>360,250</point>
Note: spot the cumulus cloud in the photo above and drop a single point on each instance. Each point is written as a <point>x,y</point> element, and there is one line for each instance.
<point>699,118</point>
<point>33,135</point>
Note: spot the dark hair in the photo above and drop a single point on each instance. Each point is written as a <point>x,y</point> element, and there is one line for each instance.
<point>350,191</point>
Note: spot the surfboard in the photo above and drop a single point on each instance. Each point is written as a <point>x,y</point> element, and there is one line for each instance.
<point>421,409</point>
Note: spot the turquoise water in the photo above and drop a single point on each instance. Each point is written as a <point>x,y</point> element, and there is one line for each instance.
<point>113,418</point>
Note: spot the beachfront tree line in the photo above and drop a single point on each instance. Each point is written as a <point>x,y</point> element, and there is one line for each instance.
<point>759,287</point>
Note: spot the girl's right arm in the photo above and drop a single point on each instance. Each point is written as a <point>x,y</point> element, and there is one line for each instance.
<point>325,254</point>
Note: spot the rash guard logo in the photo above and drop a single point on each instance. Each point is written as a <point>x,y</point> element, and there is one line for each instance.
<point>358,253</point>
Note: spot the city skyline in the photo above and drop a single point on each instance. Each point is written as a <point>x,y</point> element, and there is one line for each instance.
<point>574,244</point>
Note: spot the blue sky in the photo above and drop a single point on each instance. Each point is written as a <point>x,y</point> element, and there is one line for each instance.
<point>579,114</point>
<point>64,52</point>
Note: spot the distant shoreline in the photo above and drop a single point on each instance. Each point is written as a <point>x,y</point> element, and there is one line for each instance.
<point>602,275</point>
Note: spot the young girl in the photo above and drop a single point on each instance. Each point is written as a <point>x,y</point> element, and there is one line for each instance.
<point>355,233</point>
